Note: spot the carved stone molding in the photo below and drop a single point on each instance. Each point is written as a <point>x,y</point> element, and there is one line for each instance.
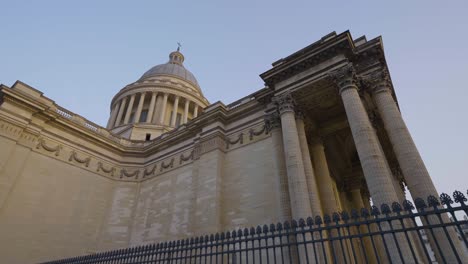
<point>147,172</point>
<point>344,77</point>
<point>284,102</point>
<point>74,157</point>
<point>253,133</point>
<point>167,166</point>
<point>216,142</point>
<point>240,139</point>
<point>56,149</point>
<point>124,172</point>
<point>378,81</point>
<point>100,167</point>
<point>272,121</point>
<point>182,158</point>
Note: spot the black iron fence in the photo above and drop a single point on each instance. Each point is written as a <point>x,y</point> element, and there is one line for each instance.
<point>428,231</point>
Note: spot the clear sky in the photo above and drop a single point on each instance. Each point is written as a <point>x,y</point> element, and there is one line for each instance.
<point>80,53</point>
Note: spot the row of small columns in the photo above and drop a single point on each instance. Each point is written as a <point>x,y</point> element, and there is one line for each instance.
<point>119,107</point>
<point>302,181</point>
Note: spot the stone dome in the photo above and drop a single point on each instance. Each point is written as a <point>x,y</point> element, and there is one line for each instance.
<point>174,67</point>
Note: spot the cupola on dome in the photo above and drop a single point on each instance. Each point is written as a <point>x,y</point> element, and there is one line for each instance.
<point>174,67</point>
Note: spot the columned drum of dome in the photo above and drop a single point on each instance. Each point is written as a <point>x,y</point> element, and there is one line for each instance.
<point>165,97</point>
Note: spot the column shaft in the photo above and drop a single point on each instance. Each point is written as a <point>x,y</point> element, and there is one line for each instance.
<point>163,109</point>
<point>297,183</point>
<point>151,107</point>
<point>195,111</point>
<point>187,104</point>
<point>376,171</point>
<point>415,172</point>
<point>309,170</point>
<point>123,102</point>
<point>113,115</point>
<point>129,109</point>
<point>174,111</point>
<point>140,107</point>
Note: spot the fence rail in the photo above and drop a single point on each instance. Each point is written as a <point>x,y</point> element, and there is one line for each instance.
<point>391,233</point>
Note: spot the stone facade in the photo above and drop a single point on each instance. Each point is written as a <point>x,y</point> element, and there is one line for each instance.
<point>324,135</point>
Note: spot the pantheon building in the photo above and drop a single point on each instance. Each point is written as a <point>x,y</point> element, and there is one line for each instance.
<point>324,134</point>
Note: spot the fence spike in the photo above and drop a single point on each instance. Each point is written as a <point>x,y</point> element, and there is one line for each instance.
<point>246,231</point>
<point>365,212</point>
<point>326,219</point>
<point>272,228</point>
<point>396,207</point>
<point>446,199</point>
<point>408,205</point>
<point>234,234</point>
<point>459,197</point>
<point>279,226</point>
<point>294,223</point>
<point>375,211</point>
<point>354,214</point>
<point>252,231</point>
<point>310,221</point>
<point>197,239</point>
<point>336,217</point>
<point>259,230</point>
<point>301,222</point>
<point>420,203</point>
<point>345,215</point>
<point>265,229</point>
<point>385,209</point>
<point>286,225</point>
<point>212,238</point>
<point>433,201</point>
<point>228,235</point>
<point>318,220</point>
<point>239,233</point>
<point>202,238</point>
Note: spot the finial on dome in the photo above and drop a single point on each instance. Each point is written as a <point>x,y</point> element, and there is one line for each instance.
<point>176,57</point>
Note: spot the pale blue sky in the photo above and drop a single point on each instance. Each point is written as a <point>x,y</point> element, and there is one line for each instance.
<point>80,53</point>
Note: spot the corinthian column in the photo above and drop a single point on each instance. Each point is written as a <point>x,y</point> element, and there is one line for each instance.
<point>163,109</point>
<point>140,107</point>
<point>151,107</point>
<point>300,203</point>
<point>374,165</point>
<point>308,168</point>
<point>186,108</point>
<point>129,109</point>
<point>415,172</point>
<point>121,109</point>
<point>174,111</point>
<point>113,115</point>
<point>274,126</point>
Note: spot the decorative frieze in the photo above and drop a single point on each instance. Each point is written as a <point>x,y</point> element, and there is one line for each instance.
<point>74,157</point>
<point>167,166</point>
<point>56,150</point>
<point>147,172</point>
<point>182,158</point>
<point>124,172</point>
<point>100,167</point>
<point>253,133</point>
<point>240,140</point>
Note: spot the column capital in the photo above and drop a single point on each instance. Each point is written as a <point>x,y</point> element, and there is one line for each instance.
<point>344,77</point>
<point>378,81</point>
<point>284,102</point>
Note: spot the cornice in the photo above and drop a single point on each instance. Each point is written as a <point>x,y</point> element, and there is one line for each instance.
<point>326,48</point>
